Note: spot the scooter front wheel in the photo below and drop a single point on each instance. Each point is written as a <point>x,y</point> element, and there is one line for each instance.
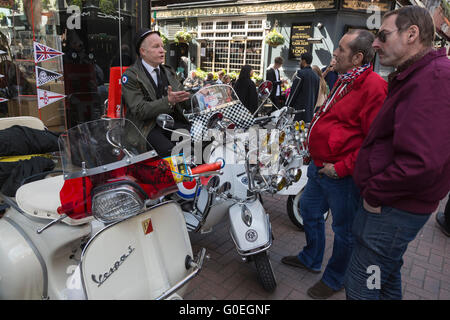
<point>264,269</point>
<point>293,210</point>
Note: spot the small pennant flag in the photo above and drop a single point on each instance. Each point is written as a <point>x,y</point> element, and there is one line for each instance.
<point>42,52</point>
<point>3,100</point>
<point>47,97</point>
<point>43,76</point>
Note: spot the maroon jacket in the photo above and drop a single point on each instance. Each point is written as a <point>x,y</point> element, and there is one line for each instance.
<point>404,161</point>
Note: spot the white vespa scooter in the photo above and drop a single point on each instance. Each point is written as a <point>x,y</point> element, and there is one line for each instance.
<point>51,247</point>
<point>214,110</point>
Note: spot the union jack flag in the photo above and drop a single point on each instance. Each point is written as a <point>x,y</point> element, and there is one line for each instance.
<point>42,52</point>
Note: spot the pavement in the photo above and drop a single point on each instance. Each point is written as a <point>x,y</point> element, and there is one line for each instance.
<point>425,273</point>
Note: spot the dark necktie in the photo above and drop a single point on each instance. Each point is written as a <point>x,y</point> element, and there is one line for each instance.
<point>158,78</point>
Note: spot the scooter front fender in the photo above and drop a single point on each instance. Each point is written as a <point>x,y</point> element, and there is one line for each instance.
<point>252,234</point>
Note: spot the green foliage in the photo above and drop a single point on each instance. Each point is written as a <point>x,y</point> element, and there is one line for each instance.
<point>107,6</point>
<point>164,38</point>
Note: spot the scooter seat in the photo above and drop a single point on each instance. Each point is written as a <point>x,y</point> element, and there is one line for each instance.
<point>41,199</point>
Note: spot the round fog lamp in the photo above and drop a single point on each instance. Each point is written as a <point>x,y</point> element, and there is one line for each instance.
<point>281,183</point>
<point>297,174</point>
<point>282,137</point>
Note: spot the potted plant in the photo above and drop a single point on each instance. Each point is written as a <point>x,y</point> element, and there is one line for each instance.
<point>274,38</point>
<point>183,36</point>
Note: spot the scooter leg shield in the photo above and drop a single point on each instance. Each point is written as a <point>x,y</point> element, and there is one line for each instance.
<point>250,228</point>
<point>20,272</point>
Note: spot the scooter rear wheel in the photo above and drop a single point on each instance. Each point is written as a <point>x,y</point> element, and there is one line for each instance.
<point>293,210</point>
<point>264,269</point>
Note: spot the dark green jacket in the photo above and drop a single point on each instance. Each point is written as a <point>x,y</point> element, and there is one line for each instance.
<point>139,97</point>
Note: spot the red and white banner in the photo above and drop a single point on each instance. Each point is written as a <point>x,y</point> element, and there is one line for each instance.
<point>42,52</point>
<point>47,97</point>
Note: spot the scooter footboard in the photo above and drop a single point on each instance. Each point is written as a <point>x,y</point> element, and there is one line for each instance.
<point>250,228</point>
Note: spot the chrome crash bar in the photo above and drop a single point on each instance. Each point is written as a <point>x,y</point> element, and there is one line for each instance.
<point>197,267</point>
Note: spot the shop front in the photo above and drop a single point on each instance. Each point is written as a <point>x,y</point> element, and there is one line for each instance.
<point>56,56</point>
<point>229,34</point>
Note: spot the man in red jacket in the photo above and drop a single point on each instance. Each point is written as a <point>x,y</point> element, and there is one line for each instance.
<point>403,167</point>
<point>335,136</point>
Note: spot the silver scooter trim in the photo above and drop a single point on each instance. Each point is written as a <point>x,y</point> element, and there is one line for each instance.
<point>198,265</point>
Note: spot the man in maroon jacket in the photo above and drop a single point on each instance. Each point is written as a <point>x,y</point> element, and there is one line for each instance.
<point>403,167</point>
<point>336,133</point>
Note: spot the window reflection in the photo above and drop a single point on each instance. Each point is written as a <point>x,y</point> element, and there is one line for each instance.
<point>93,35</point>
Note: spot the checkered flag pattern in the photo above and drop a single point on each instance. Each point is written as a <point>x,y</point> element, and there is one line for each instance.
<point>235,111</point>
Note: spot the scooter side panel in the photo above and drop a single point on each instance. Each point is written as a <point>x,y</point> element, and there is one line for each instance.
<point>20,271</point>
<point>138,258</point>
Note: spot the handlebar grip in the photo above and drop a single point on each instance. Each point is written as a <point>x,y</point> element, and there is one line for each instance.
<point>207,167</point>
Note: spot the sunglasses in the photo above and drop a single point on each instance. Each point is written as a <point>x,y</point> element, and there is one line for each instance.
<point>381,35</point>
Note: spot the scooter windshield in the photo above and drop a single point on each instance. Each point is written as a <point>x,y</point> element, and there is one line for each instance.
<point>101,146</point>
<point>213,98</point>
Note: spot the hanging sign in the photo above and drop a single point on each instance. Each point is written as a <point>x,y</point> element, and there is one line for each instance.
<point>43,76</point>
<point>47,97</point>
<point>43,52</point>
<point>299,40</point>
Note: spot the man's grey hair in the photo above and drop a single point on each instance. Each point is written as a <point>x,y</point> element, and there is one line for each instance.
<point>363,43</point>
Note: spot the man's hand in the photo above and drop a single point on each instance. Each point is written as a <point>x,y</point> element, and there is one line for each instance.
<point>329,171</point>
<point>369,208</point>
<point>175,97</point>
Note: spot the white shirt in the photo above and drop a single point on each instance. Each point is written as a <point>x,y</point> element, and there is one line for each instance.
<point>151,71</point>
<point>277,77</point>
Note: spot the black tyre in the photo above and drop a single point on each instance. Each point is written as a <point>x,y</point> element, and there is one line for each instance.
<point>293,210</point>
<point>266,276</point>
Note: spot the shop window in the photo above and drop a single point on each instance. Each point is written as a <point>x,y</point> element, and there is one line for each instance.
<point>55,57</point>
<point>231,50</point>
<point>222,25</point>
<point>238,25</point>
<point>207,25</point>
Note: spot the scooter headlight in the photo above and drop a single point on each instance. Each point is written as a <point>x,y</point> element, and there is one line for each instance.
<point>116,203</point>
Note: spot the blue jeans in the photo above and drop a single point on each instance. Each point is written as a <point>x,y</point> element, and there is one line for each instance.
<point>381,239</point>
<point>341,196</point>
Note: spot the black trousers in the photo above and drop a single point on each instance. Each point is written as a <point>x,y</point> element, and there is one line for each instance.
<point>160,139</point>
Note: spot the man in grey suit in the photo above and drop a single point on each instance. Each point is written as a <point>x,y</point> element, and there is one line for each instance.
<point>150,88</point>
<point>305,89</point>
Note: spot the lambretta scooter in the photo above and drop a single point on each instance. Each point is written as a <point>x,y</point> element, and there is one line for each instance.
<point>219,120</point>
<point>137,248</point>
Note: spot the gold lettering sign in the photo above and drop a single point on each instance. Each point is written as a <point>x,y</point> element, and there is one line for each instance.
<point>282,7</point>
<point>364,5</point>
<point>6,3</point>
<point>299,40</point>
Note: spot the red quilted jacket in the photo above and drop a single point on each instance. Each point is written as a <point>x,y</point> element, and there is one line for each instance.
<point>338,134</point>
